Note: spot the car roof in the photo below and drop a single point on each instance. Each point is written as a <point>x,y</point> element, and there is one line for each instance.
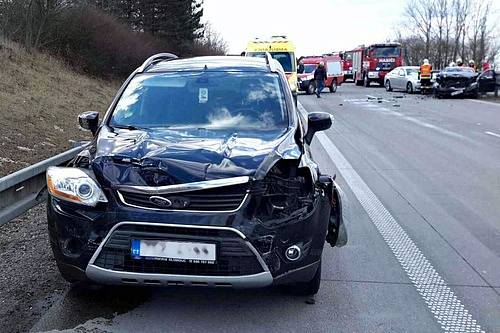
<point>407,67</point>
<point>211,63</point>
<point>458,69</point>
<point>312,60</point>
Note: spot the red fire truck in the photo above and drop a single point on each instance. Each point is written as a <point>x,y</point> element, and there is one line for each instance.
<point>333,65</point>
<point>370,64</point>
<point>347,64</point>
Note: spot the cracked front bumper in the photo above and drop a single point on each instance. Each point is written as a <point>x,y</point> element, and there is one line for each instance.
<point>80,235</point>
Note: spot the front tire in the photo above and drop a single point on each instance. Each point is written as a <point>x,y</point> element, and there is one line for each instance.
<point>333,87</point>
<point>409,88</point>
<point>366,81</point>
<point>308,288</point>
<point>357,82</point>
<point>388,85</point>
<point>310,88</point>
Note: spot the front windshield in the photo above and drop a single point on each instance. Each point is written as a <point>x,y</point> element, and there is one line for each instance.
<point>286,59</point>
<point>392,51</point>
<point>309,68</point>
<point>210,100</point>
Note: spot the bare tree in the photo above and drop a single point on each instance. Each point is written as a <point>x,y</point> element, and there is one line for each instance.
<point>28,20</point>
<point>211,43</point>
<point>421,14</point>
<point>484,34</point>
<point>460,10</point>
<point>455,28</point>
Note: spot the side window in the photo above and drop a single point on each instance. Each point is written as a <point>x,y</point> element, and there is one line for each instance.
<point>488,75</point>
<point>401,72</point>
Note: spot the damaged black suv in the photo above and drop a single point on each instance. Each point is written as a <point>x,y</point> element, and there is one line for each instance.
<point>200,174</point>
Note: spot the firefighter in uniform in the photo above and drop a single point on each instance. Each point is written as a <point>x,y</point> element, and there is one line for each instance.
<point>486,64</point>
<point>425,75</point>
<point>472,64</point>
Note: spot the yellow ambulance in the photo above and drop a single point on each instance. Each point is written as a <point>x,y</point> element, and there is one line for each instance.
<point>280,49</point>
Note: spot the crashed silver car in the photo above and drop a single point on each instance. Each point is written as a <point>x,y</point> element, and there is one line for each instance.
<point>403,78</point>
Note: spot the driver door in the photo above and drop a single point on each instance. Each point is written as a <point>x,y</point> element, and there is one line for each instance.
<point>399,78</point>
<point>487,81</point>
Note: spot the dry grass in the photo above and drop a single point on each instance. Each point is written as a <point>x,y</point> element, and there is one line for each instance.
<point>40,98</point>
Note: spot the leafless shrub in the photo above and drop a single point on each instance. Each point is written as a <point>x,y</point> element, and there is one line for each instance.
<point>99,44</point>
<point>211,43</point>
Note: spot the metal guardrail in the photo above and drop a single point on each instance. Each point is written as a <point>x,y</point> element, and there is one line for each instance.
<point>23,189</point>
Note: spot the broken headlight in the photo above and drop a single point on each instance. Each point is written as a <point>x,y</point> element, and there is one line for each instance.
<point>287,192</point>
<point>74,185</point>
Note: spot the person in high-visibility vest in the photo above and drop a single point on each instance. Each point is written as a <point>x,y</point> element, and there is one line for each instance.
<point>425,74</point>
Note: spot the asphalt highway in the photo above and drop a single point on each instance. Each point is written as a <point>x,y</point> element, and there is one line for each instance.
<point>422,178</point>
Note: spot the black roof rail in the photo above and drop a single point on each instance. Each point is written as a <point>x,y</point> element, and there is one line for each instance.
<point>156,58</point>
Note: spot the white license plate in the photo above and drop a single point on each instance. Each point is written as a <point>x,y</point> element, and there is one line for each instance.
<point>174,251</point>
<point>457,92</point>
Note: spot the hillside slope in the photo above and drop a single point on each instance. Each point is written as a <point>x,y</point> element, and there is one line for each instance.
<point>40,98</point>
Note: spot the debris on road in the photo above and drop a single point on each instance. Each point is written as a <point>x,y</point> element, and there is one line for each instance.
<point>396,105</point>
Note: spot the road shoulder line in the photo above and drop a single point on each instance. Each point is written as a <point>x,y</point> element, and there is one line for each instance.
<point>485,102</point>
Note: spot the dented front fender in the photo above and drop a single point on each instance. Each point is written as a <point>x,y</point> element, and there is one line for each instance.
<point>337,231</point>
<point>341,206</point>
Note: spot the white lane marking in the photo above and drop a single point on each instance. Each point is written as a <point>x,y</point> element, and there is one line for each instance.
<point>494,134</point>
<point>485,102</point>
<point>448,310</point>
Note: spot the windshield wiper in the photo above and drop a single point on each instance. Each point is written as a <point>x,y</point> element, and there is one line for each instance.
<point>128,127</point>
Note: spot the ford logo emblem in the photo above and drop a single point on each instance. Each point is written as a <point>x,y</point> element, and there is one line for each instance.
<point>160,201</point>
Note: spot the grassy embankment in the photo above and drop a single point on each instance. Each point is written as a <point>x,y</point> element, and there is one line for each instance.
<point>40,98</point>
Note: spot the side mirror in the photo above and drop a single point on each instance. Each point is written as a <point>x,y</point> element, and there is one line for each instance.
<point>316,122</point>
<point>89,121</point>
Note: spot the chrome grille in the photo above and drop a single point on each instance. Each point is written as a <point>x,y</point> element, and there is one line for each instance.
<point>225,198</point>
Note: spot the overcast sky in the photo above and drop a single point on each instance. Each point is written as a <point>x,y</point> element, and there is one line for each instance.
<point>316,26</point>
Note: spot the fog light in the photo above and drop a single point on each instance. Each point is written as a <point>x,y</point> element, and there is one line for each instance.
<point>293,253</point>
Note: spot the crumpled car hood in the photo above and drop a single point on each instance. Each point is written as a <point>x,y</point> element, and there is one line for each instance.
<point>456,75</point>
<point>167,157</point>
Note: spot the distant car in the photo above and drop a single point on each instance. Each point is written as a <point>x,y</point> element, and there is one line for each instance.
<point>455,81</point>
<point>200,174</point>
<point>306,79</point>
<point>333,66</point>
<point>403,78</point>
